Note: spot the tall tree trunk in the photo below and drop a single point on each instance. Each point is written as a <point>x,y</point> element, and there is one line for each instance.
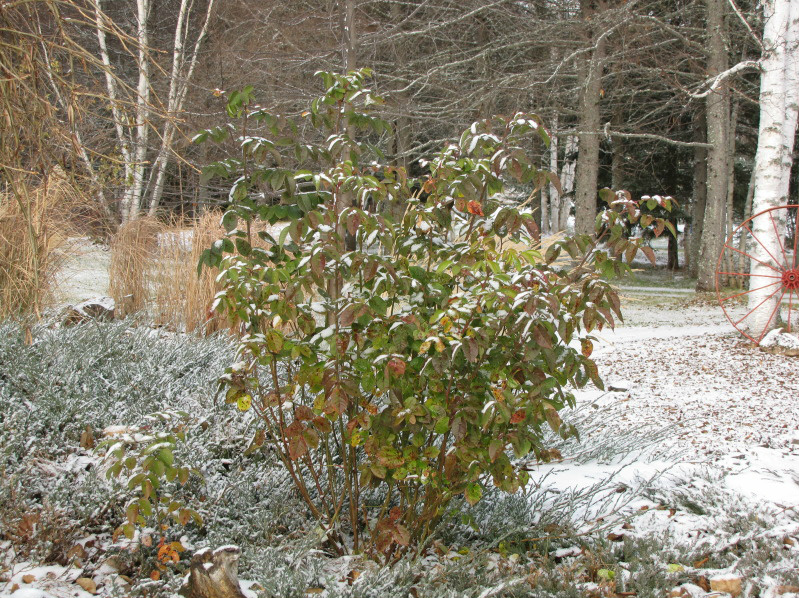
<point>545,200</point>
<point>588,160</point>
<point>142,126</point>
<point>729,226</point>
<point>617,160</point>
<point>179,78</point>
<point>718,113</point>
<point>124,141</point>
<point>779,93</point>
<point>673,251</point>
<point>742,264</point>
<point>567,179</point>
<point>554,196</point>
<point>402,137</point>
<point>699,199</point>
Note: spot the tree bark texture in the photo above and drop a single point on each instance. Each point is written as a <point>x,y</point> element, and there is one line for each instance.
<point>588,161</point>
<point>718,114</point>
<point>567,180</point>
<point>699,199</point>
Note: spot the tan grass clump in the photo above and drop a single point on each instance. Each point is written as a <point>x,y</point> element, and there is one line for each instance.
<point>133,250</point>
<point>181,298</point>
<point>34,228</point>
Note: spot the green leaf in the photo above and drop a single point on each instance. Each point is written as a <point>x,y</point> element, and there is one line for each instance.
<point>244,402</point>
<point>243,247</point>
<point>473,493</point>
<point>230,221</point>
<point>274,341</point>
<point>442,425</point>
<point>166,457</point>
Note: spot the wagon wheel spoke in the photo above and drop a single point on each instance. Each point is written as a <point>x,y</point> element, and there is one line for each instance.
<point>751,257</point>
<point>747,274</point>
<point>776,261</point>
<point>742,293</point>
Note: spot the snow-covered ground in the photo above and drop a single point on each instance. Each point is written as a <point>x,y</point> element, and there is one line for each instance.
<point>729,405</point>
<point>83,272</point>
<point>687,404</point>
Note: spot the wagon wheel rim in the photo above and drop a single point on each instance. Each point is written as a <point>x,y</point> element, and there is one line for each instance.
<point>781,281</point>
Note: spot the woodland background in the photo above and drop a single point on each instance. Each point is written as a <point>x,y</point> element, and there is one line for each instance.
<point>629,90</point>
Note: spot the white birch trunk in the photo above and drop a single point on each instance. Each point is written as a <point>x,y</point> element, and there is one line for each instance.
<point>179,78</point>
<point>567,180</point>
<point>123,140</point>
<point>554,196</point>
<point>779,92</point>
<point>142,125</point>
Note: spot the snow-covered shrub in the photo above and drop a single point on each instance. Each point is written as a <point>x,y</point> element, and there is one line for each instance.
<point>398,362</point>
<point>59,394</point>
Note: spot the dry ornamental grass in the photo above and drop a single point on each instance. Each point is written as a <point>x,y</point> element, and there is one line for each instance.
<point>34,230</point>
<point>154,272</point>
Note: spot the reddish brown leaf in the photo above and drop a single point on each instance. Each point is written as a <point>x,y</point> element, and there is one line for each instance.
<point>353,222</point>
<point>337,402</point>
<point>303,413</point>
<point>396,366</point>
<point>323,425</point>
<point>470,349</point>
<point>518,416</point>
<point>495,449</point>
<point>401,535</point>
<point>347,315</point>
<point>342,342</point>
<point>541,337</point>
<point>650,253</point>
<point>297,447</point>
<point>458,427</point>
<point>475,208</point>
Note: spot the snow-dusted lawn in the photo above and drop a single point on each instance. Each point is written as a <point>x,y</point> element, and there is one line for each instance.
<point>687,471</point>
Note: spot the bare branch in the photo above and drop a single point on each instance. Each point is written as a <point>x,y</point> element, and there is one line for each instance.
<point>755,37</point>
<point>716,81</point>
<point>611,134</point>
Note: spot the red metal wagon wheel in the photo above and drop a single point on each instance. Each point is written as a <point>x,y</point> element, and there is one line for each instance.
<point>778,276</point>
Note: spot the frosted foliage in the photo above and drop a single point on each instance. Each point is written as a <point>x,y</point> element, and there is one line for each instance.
<point>542,542</point>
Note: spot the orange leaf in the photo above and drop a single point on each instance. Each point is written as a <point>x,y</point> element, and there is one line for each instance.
<point>474,207</point>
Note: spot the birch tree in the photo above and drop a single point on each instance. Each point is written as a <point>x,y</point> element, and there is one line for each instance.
<point>135,119</point>
<point>779,94</point>
<point>180,74</point>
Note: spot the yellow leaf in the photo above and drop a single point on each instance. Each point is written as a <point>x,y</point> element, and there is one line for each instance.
<point>446,324</point>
